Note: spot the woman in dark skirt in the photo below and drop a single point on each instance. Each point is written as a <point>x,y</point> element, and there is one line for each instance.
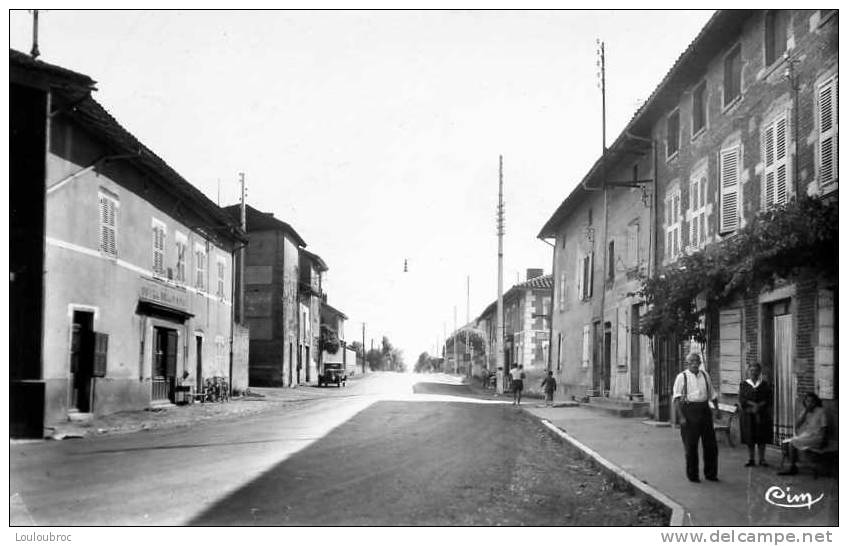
<point>755,399</point>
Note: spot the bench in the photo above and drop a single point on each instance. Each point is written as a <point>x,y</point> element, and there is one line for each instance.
<point>723,422</point>
<point>823,457</point>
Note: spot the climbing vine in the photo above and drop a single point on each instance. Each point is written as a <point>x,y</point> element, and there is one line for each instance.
<point>780,243</point>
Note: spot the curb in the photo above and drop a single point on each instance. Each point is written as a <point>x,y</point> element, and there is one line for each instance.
<point>677,511</point>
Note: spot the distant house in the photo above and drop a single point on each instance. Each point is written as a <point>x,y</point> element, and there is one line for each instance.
<point>335,319</point>
<point>121,270</point>
<point>310,297</point>
<point>271,287</point>
<point>526,308</point>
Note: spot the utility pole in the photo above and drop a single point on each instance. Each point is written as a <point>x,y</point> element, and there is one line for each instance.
<point>603,242</point>
<point>455,353</point>
<point>499,355</point>
<point>241,251</point>
<point>467,323</point>
<point>34,53</point>
<point>363,348</point>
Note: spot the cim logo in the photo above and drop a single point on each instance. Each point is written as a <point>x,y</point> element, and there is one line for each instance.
<point>777,496</point>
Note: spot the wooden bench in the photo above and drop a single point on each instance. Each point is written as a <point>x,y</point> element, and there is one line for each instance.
<point>723,422</point>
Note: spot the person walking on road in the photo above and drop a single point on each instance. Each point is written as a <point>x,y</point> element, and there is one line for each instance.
<point>517,376</point>
<point>484,377</point>
<point>692,393</point>
<point>755,427</point>
<point>549,386</point>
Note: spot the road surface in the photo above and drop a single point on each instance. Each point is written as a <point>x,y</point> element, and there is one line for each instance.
<point>389,449</point>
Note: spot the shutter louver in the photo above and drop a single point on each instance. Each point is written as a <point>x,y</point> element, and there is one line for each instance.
<point>781,159</point>
<point>827,132</point>
<point>101,350</point>
<point>729,160</point>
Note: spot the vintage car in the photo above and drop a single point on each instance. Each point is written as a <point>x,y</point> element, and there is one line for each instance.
<point>332,372</point>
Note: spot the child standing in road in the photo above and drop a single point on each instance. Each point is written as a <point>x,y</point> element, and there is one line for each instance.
<point>549,386</point>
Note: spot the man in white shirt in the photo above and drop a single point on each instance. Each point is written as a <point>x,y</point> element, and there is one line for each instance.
<point>692,393</point>
<point>517,375</point>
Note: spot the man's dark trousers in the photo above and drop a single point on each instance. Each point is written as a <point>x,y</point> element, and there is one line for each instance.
<point>699,425</point>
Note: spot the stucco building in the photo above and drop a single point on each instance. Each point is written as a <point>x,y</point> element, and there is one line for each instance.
<point>122,276</point>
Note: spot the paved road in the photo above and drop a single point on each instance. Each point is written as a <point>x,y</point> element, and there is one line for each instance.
<point>391,449</point>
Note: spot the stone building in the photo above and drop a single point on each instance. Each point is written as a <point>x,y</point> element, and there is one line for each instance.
<point>271,287</point>
<point>743,123</point>
<point>310,295</point>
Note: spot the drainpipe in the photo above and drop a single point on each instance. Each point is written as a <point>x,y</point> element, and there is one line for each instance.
<point>551,309</point>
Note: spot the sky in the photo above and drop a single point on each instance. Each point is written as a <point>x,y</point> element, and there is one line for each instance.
<point>376,134</point>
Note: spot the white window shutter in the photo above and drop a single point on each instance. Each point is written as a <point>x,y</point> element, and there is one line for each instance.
<point>591,279</point>
<point>828,131</point>
<point>729,177</point>
<point>579,276</point>
<point>586,346</point>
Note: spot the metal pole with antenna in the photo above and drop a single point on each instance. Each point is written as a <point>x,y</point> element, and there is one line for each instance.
<point>603,246</point>
<point>34,51</point>
<point>243,217</point>
<point>499,327</point>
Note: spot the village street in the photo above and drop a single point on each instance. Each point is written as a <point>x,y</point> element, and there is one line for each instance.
<point>388,449</point>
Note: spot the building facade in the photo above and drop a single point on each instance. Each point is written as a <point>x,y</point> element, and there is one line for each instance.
<point>271,309</point>
<point>526,306</point>
<point>310,294</point>
<point>745,122</point>
<point>137,264</point>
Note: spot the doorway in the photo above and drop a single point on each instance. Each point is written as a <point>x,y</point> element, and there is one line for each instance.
<point>82,360</point>
<point>606,371</point>
<point>635,352</point>
<point>598,343</point>
<point>667,351</point>
<point>164,363</point>
<point>779,342</point>
<point>198,341</point>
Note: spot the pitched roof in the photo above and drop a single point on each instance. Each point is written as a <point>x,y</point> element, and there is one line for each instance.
<point>690,66</point>
<point>316,259</point>
<point>331,309</point>
<point>21,64</point>
<point>94,118</point>
<point>73,90</point>
<point>263,221</point>
<point>543,282</point>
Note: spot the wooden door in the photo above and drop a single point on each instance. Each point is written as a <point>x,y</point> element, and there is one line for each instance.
<point>784,378</point>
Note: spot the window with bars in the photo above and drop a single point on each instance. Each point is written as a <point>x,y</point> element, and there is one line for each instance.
<point>182,251</point>
<point>200,267</point>
<point>672,134</point>
<point>699,108</point>
<point>732,75</point>
<point>828,122</point>
<point>108,225</point>
<point>158,247</point>
<point>730,160</point>
<point>672,224</point>
<point>777,176</point>
<point>698,210</point>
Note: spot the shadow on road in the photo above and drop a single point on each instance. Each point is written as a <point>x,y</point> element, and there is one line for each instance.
<point>431,463</point>
<point>441,388</point>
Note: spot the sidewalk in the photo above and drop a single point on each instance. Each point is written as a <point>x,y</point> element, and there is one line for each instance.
<point>654,455</point>
<point>173,416</point>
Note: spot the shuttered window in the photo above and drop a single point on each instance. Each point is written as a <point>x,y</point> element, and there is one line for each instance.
<point>698,210</point>
<point>672,224</point>
<point>182,250</point>
<point>828,118</point>
<point>699,108</point>
<point>587,346</point>
<point>158,230</point>
<point>562,291</point>
<point>633,245</point>
<point>729,165</point>
<point>730,350</point>
<point>585,275</point>
<point>200,267</point>
<point>777,30</point>
<point>672,134</point>
<point>108,225</point>
<point>221,268</point>
<point>732,75</point>
<point>776,172</point>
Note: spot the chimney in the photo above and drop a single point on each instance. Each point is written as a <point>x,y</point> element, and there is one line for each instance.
<point>533,273</point>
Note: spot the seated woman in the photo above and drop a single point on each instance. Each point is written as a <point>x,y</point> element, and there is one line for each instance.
<point>811,430</point>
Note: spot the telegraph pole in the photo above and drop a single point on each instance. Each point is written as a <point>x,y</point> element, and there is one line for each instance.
<point>241,251</point>
<point>467,323</point>
<point>455,361</point>
<point>363,348</point>
<point>499,355</point>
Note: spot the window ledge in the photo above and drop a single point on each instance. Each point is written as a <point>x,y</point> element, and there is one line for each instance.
<point>673,156</point>
<point>698,134</point>
<point>732,104</point>
<point>776,64</point>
